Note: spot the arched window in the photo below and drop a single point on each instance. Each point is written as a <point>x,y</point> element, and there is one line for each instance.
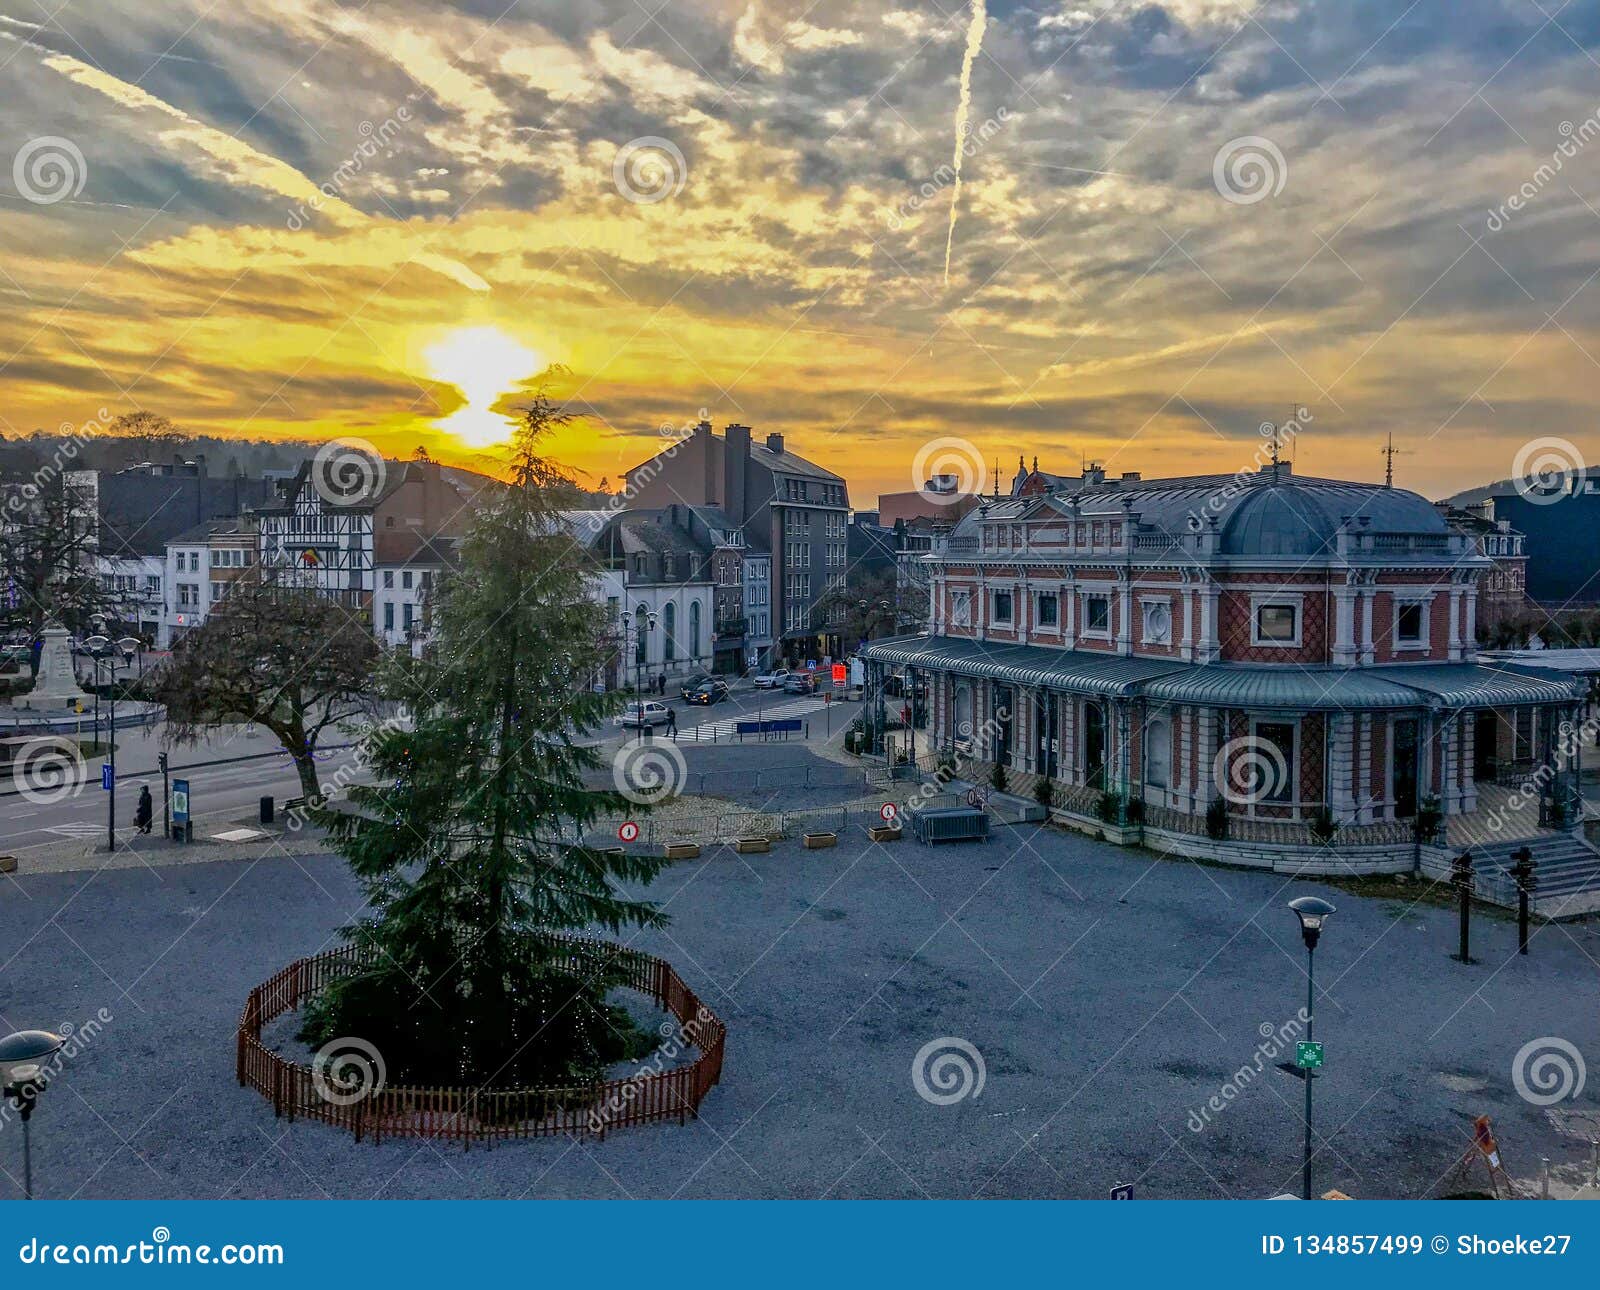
<point>694,629</point>
<point>669,633</point>
<point>1158,752</point>
<point>641,629</point>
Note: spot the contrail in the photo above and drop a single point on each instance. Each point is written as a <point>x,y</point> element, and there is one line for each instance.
<point>975,29</point>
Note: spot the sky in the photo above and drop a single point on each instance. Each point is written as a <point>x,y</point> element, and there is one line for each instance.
<point>1174,222</point>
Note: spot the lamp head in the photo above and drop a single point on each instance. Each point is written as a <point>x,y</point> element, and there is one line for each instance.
<point>23,1053</point>
<point>1313,912</point>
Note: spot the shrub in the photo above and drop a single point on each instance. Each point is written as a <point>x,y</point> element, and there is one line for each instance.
<point>997,777</point>
<point>1323,826</point>
<point>1425,827</point>
<point>1217,820</point>
<point>1044,792</point>
<point>1108,809</point>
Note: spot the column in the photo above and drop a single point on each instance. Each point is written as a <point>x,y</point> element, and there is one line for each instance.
<point>1206,790</point>
<point>1344,609</point>
<point>1341,766</point>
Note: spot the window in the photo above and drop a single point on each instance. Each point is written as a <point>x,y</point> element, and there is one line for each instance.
<point>641,628</point>
<point>961,609</point>
<point>1277,625</point>
<point>694,629</point>
<point>388,615</point>
<point>1409,627</point>
<point>407,612</point>
<point>405,580</point>
<point>1157,752</point>
<point>388,579</point>
<point>1272,764</point>
<point>1097,615</point>
<point>1157,622</point>
<point>669,632</point>
<point>1001,611</point>
<point>1049,609</point>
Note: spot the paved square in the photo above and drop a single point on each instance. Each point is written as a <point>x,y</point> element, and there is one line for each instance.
<point>1109,997</point>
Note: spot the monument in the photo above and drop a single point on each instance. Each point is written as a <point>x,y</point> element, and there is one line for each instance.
<point>55,685</point>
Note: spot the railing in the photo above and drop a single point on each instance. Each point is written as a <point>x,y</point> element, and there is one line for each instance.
<point>481,1114</point>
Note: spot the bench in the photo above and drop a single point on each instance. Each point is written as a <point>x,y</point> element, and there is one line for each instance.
<point>951,824</point>
<point>294,803</point>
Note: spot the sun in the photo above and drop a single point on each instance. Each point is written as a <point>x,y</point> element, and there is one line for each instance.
<point>484,363</point>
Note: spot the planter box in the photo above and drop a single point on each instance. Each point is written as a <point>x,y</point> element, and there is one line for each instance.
<point>752,846</point>
<point>8,864</point>
<point>681,850</point>
<point>885,833</point>
<point>820,841</point>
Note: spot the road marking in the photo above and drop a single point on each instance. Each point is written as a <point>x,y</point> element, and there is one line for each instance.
<point>80,830</point>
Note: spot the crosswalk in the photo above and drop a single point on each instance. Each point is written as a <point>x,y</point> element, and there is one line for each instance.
<point>713,730</point>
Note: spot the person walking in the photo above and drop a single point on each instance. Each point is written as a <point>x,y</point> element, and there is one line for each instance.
<point>145,812</point>
<point>661,685</point>
<point>672,723</point>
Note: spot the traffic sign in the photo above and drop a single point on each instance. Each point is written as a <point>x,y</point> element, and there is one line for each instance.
<point>1121,1191</point>
<point>839,674</point>
<point>1308,1054</point>
<point>180,801</point>
<point>629,832</point>
<point>887,812</point>
<point>108,777</point>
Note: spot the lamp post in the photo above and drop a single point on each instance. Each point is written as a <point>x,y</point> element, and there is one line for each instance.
<point>22,1056</point>
<point>1313,912</point>
<point>113,655</point>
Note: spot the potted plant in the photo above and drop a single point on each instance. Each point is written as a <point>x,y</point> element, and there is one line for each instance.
<point>1217,820</point>
<point>1425,827</point>
<point>1323,826</point>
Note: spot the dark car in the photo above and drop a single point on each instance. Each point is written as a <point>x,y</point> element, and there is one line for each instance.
<point>694,683</point>
<point>712,691</point>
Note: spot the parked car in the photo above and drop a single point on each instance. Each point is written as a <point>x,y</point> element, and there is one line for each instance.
<point>713,691</point>
<point>800,683</point>
<point>640,715</point>
<point>694,683</point>
<point>772,680</point>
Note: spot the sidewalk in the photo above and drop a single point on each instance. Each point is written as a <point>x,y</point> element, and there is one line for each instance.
<point>136,850</point>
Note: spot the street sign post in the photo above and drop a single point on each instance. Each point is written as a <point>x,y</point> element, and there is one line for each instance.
<point>108,778</point>
<point>1308,1054</point>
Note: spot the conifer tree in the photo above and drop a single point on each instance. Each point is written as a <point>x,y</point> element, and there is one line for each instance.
<point>468,844</point>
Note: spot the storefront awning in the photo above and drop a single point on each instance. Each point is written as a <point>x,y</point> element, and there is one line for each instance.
<point>1232,685</point>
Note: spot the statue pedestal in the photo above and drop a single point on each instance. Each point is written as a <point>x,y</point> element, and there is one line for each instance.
<point>55,686</point>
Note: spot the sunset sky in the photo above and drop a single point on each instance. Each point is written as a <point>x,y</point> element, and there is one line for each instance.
<point>303,218</point>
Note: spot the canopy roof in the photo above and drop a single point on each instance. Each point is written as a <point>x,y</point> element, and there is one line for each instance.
<point>1233,685</point>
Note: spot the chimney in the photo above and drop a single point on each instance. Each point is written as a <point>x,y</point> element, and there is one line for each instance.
<point>1094,474</point>
<point>1131,477</point>
<point>736,472</point>
<point>774,443</point>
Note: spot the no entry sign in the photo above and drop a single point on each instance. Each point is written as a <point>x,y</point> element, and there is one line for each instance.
<point>629,832</point>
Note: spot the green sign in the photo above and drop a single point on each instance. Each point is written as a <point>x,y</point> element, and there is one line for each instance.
<point>1308,1054</point>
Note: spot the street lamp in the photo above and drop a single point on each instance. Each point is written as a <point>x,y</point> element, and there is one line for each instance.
<point>22,1080</point>
<point>1313,912</point>
<point>641,647</point>
<point>113,655</point>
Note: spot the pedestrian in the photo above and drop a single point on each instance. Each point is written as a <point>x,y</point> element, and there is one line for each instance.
<point>661,685</point>
<point>672,723</point>
<point>145,812</point>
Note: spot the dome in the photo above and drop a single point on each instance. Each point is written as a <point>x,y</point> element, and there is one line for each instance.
<point>1303,519</point>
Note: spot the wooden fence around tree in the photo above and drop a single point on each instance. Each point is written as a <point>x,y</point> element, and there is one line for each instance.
<point>655,1092</point>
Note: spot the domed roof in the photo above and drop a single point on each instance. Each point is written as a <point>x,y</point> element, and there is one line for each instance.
<point>1302,518</point>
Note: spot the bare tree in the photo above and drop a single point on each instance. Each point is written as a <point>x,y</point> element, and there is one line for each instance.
<point>283,657</point>
<point>48,540</point>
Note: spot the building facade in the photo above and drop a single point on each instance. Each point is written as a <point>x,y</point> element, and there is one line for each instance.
<point>796,509</point>
<point>1559,517</point>
<point>1503,587</point>
<point>1244,667</point>
<point>200,565</point>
